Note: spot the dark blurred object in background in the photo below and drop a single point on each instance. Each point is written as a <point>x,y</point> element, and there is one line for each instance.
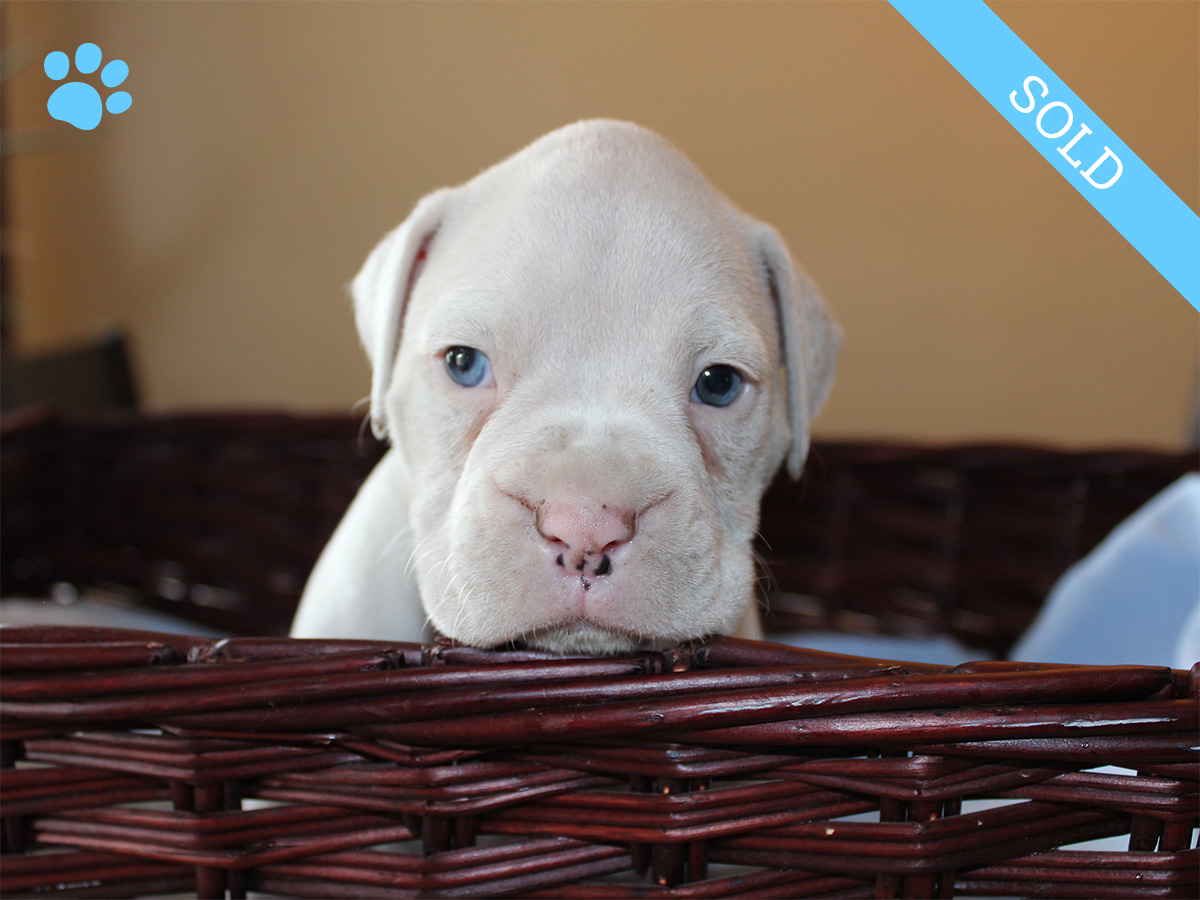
<point>89,376</point>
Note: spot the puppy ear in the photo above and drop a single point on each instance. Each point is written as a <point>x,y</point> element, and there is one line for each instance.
<point>381,290</point>
<point>809,337</point>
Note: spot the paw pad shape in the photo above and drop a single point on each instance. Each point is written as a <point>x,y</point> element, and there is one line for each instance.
<point>77,102</point>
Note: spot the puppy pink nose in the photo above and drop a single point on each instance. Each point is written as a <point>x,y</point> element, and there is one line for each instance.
<point>585,534</point>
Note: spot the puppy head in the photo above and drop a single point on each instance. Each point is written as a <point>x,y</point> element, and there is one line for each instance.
<point>591,365</point>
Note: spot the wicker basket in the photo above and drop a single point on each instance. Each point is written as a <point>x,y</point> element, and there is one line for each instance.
<point>144,764</point>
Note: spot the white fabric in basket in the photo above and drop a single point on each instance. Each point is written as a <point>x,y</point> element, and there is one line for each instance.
<point>1133,600</point>
<point>939,650</point>
<point>94,612</point>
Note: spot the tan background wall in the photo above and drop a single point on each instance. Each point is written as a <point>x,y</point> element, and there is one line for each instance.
<point>270,144</point>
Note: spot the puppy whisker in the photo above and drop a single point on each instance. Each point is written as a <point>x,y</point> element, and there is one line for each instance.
<point>414,559</point>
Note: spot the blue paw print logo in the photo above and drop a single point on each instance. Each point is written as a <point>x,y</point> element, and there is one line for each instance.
<point>77,102</point>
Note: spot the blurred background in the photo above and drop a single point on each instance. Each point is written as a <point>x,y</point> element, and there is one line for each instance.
<point>215,225</point>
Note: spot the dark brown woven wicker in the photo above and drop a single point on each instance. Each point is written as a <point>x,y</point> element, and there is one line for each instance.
<point>140,764</point>
<point>725,769</point>
<point>215,518</point>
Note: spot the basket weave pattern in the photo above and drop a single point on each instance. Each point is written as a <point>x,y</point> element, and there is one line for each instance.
<point>141,764</point>
<point>407,771</point>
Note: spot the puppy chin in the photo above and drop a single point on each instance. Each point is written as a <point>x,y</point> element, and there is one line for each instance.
<point>582,636</point>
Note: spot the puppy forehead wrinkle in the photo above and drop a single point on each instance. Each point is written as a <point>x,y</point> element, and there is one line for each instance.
<point>677,322</point>
<point>563,252</point>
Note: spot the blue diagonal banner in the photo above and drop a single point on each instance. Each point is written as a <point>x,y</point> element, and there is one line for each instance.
<point>1066,132</point>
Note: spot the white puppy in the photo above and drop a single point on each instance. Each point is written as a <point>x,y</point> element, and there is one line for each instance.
<point>589,365</point>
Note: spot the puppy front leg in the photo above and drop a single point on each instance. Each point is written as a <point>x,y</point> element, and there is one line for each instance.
<point>359,587</point>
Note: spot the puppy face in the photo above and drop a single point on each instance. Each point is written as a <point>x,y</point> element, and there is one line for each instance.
<point>598,365</point>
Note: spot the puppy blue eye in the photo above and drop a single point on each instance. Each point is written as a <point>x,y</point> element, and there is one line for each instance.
<point>718,386</point>
<point>467,366</point>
